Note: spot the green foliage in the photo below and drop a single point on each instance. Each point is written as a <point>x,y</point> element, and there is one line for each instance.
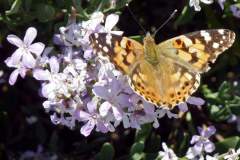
<point>106,153</point>
<point>222,103</point>
<point>228,143</point>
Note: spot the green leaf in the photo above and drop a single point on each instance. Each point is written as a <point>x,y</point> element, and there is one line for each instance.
<point>186,16</point>
<point>137,147</point>
<point>45,12</point>
<point>137,38</point>
<point>107,152</point>
<point>143,133</point>
<point>224,91</point>
<point>219,113</point>
<point>14,8</point>
<point>225,145</point>
<point>138,156</point>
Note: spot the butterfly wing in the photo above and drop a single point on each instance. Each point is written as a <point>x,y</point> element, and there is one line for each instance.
<point>197,49</point>
<point>123,52</point>
<point>166,84</point>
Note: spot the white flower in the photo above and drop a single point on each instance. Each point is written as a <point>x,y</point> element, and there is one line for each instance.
<point>110,22</point>
<point>23,58</point>
<point>211,158</point>
<point>168,153</point>
<point>196,3</point>
<point>232,155</point>
<point>26,48</point>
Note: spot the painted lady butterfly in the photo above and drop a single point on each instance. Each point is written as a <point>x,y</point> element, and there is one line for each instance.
<point>164,74</point>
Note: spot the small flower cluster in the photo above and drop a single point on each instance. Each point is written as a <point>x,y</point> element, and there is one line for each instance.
<point>201,149</point>
<point>235,9</point>
<point>196,3</point>
<point>79,86</point>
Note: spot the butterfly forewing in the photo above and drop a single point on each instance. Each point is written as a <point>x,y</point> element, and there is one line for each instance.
<point>198,49</point>
<point>121,51</point>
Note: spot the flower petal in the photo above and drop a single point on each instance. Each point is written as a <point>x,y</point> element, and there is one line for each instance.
<point>209,146</point>
<point>126,122</point>
<point>92,106</point>
<point>207,1</point>
<point>111,21</point>
<point>100,91</point>
<point>195,139</point>
<point>28,60</point>
<point>198,147</point>
<point>22,71</point>
<point>30,35</point>
<point>54,64</point>
<point>117,113</point>
<point>209,131</point>
<point>13,39</point>
<point>13,77</point>
<point>37,48</point>
<point>117,32</point>
<point>84,116</point>
<point>100,126</point>
<point>196,101</point>
<point>16,56</point>
<point>104,108</point>
<point>183,107</point>
<point>40,74</point>
<point>87,128</point>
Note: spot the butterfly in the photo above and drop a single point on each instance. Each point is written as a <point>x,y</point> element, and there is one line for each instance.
<point>167,73</point>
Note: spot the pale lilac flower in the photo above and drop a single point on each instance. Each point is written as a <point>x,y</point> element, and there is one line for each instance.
<point>191,100</point>
<point>91,119</point>
<point>202,142</point>
<point>232,154</point>
<point>235,10</point>
<point>167,153</point>
<point>110,22</point>
<point>24,58</point>
<point>20,70</point>
<point>26,50</point>
<point>112,92</point>
<point>215,157</point>
<point>196,3</point>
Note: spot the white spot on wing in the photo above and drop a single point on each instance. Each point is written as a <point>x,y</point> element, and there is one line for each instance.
<point>108,39</point>
<point>221,31</point>
<point>206,36</point>
<point>96,35</point>
<point>105,49</point>
<point>215,45</point>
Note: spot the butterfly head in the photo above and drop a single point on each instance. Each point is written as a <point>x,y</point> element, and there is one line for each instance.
<point>148,39</point>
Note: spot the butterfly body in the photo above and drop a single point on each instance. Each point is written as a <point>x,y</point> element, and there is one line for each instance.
<point>164,74</point>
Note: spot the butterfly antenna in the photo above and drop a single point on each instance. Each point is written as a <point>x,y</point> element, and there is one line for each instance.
<point>135,19</point>
<point>169,18</point>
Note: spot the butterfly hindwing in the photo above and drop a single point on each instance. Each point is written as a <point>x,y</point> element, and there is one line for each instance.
<point>198,49</point>
<point>164,85</point>
<point>123,52</point>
